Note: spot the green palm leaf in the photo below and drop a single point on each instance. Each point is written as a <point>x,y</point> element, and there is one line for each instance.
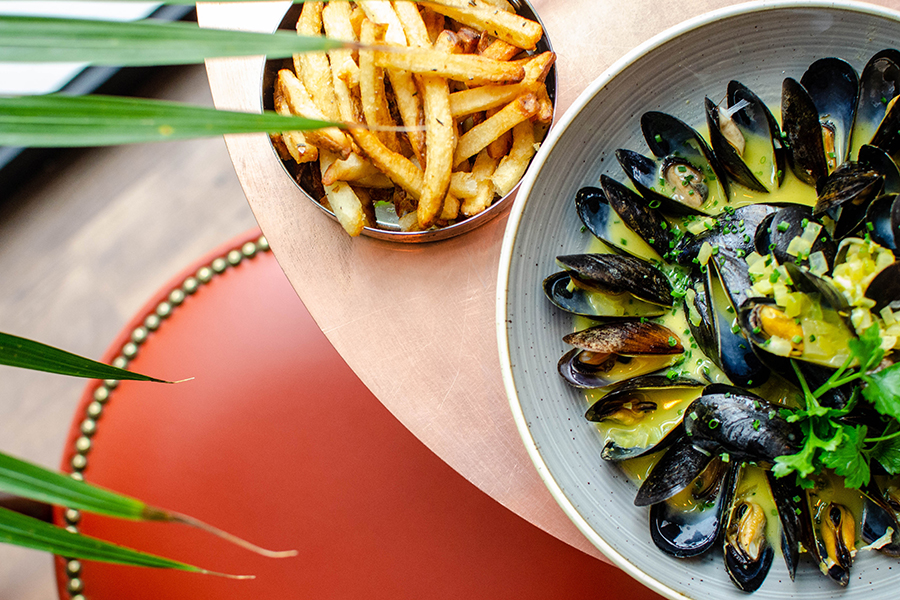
<point>33,533</point>
<point>63,121</point>
<point>28,354</point>
<point>139,43</point>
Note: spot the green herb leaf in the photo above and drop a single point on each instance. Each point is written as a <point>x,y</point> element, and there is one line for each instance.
<point>847,458</point>
<point>867,348</point>
<point>887,452</point>
<point>883,390</point>
<point>140,43</point>
<point>66,121</point>
<point>27,354</point>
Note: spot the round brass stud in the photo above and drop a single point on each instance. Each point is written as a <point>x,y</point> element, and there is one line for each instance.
<point>190,285</point>
<point>101,394</point>
<point>94,410</point>
<point>163,310</point>
<point>130,350</point>
<point>75,584</point>
<point>73,517</point>
<point>249,249</point>
<point>139,335</point>
<point>219,265</point>
<point>89,427</point>
<point>152,322</point>
<point>204,274</point>
<point>235,257</point>
<point>77,597</point>
<point>120,362</point>
<point>77,476</point>
<point>83,444</point>
<point>176,296</point>
<point>79,462</point>
<point>73,567</point>
<point>111,383</point>
<point>262,243</point>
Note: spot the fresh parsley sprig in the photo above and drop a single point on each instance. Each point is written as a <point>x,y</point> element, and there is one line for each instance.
<point>828,440</point>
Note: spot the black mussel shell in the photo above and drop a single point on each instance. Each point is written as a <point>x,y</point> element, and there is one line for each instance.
<point>831,552</point>
<point>883,221</point>
<point>644,175</point>
<point>776,233</point>
<point>884,289</point>
<point>833,85</point>
<point>684,532</point>
<point>576,300</point>
<point>796,521</point>
<point>699,314</point>
<point>804,281</point>
<point>618,274</point>
<point>747,566</point>
<point>734,229</point>
<point>675,470</point>
<point>743,425</point>
<point>879,84</point>
<point>845,195</point>
<point>648,223</point>
<point>601,219</point>
<point>752,120</point>
<point>877,518</point>
<point>880,161</point>
<point>800,123</point>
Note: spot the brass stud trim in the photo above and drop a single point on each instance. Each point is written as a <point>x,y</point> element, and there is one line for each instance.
<point>130,350</point>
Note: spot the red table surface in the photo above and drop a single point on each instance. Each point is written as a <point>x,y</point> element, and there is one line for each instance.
<point>277,440</point>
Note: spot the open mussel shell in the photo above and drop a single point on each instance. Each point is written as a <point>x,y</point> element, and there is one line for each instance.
<point>647,407</point>
<point>733,229</point>
<point>794,516</point>
<point>612,352</point>
<point>879,523</point>
<point>745,547</point>
<point>884,215</point>
<point>875,112</point>
<point>884,288</point>
<point>881,162</point>
<point>742,135</point>
<point>647,223</point>
<point>833,85</point>
<point>691,526</point>
<point>778,230</point>
<point>619,274</point>
<point>834,537</point>
<point>578,301</point>
<point>846,194</point>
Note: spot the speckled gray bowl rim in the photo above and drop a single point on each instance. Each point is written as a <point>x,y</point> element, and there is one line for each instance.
<point>515,222</point>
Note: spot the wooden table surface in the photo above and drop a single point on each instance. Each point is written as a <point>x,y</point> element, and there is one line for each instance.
<point>416,323</point>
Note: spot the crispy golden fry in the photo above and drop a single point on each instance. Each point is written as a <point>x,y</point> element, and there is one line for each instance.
<point>409,222</point>
<point>371,87</point>
<point>545,107</point>
<point>300,103</point>
<point>413,25</point>
<point>381,12</point>
<point>491,47</point>
<point>434,23</point>
<point>468,39</point>
<point>537,67</point>
<point>462,185</point>
<point>477,138</point>
<point>294,141</point>
<point>499,147</point>
<point>400,169</point>
<point>342,200</point>
<point>312,67</point>
<point>468,68</point>
<point>481,172</point>
<point>507,26</point>
<point>336,21</point>
<point>440,131</point>
<point>357,170</point>
<point>501,4</point>
<point>450,210</point>
<point>512,166</point>
<point>486,97</point>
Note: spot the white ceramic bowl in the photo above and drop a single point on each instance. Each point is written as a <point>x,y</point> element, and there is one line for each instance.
<point>758,44</point>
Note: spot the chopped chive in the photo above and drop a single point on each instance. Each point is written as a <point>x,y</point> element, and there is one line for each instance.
<point>658,138</point>
<point>783,226</point>
<point>672,341</point>
<point>797,339</point>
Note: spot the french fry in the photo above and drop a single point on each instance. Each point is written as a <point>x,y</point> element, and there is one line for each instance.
<point>355,169</point>
<point>381,12</point>
<point>337,25</point>
<point>413,25</point>
<point>491,47</point>
<point>434,23</point>
<point>312,67</point>
<point>499,147</point>
<point>468,68</point>
<point>512,166</point>
<point>371,87</point>
<point>477,138</point>
<point>450,210</point>
<point>545,107</point>
<point>294,141</point>
<point>441,138</point>
<point>462,185</point>
<point>300,103</point>
<point>344,202</point>
<point>507,26</point>
<point>481,172</point>
<point>400,169</point>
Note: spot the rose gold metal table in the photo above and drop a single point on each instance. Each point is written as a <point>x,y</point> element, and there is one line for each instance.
<point>416,323</point>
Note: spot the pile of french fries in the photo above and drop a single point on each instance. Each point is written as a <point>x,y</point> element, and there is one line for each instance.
<point>449,121</point>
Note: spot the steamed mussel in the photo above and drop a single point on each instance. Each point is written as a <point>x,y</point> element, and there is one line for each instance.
<point>720,320</point>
